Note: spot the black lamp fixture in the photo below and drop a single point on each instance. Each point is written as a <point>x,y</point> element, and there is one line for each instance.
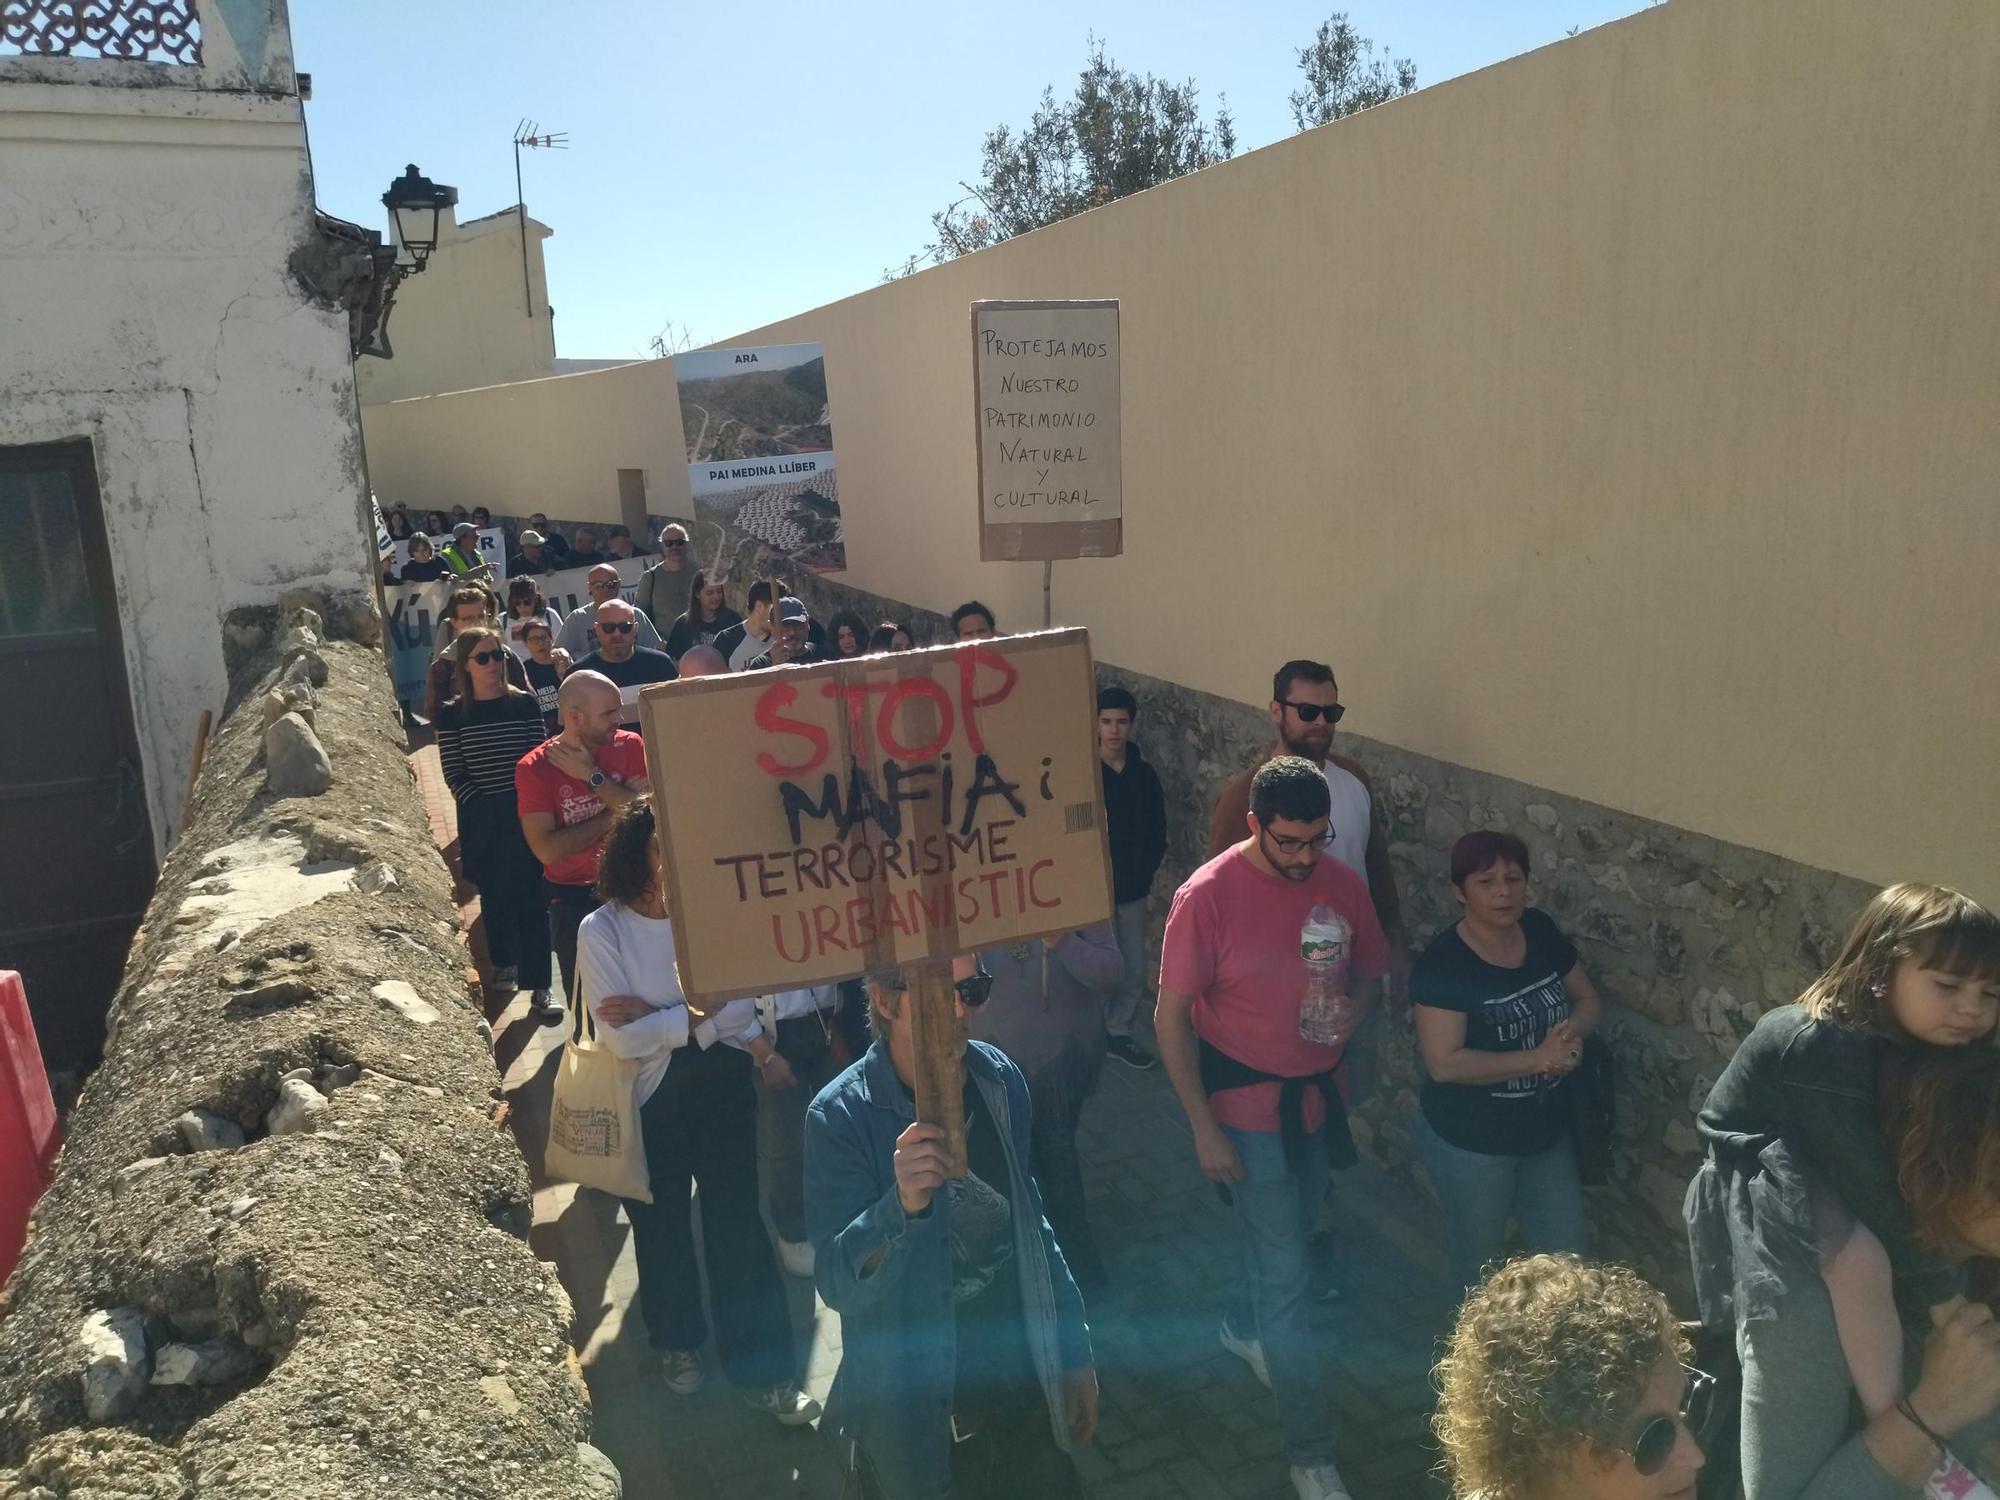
<point>413,201</point>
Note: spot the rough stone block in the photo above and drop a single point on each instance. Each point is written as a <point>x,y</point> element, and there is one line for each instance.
<point>298,1102</point>
<point>304,665</point>
<point>598,1476</point>
<point>402,997</point>
<point>116,1367</point>
<point>294,698</point>
<point>201,1130</point>
<point>210,1363</point>
<point>294,760</point>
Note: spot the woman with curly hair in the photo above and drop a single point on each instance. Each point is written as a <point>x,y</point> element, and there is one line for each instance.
<point>1564,1380</point>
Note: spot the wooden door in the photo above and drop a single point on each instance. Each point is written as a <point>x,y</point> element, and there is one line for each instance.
<point>76,837</point>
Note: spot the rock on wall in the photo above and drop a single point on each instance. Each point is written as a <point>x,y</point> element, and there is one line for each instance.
<point>284,1253</point>
<point>1690,938</point>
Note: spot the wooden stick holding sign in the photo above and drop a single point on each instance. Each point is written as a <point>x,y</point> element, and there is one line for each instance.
<point>940,1050</point>
<point>892,811</point>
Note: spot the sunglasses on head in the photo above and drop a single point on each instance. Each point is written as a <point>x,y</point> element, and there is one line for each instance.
<point>615,627</point>
<point>486,658</point>
<point>1312,713</point>
<point>1655,1442</point>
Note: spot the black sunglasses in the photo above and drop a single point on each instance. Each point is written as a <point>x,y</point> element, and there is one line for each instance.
<point>1312,713</point>
<point>615,627</point>
<point>675,541</point>
<point>974,990</point>
<point>486,658</point>
<point>1655,1443</point>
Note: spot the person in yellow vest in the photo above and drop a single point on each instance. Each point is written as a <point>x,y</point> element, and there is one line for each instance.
<point>462,556</point>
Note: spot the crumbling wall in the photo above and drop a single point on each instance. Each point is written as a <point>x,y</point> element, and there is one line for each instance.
<point>284,1253</point>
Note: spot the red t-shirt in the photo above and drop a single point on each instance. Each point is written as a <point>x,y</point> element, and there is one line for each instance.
<point>1232,944</point>
<point>541,786</point>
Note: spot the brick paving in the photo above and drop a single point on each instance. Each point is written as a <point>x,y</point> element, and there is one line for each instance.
<point>1182,1419</point>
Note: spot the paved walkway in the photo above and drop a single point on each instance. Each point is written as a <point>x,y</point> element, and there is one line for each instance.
<point>1182,1419</point>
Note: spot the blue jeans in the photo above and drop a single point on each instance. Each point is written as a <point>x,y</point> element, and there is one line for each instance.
<point>1480,1192</point>
<point>1278,1209</point>
<point>1121,1016</point>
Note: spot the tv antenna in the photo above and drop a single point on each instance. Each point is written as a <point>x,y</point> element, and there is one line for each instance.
<point>529,133</point>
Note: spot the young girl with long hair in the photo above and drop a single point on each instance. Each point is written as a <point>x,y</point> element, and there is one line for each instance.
<point>1801,1184</point>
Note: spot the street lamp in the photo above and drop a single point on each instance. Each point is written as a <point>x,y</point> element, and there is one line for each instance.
<point>413,201</point>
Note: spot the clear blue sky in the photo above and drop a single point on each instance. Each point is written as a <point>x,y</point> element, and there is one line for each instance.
<point>729,166</point>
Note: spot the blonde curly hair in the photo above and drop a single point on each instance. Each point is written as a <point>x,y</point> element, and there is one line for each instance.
<point>1549,1351</point>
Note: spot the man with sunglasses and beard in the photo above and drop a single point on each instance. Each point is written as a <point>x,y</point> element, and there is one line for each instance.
<point>579,629</point>
<point>1263,944</point>
<point>965,1360</point>
<point>620,657</point>
<point>1305,705</point>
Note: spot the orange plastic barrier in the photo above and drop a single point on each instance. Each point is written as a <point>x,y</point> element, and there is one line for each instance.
<point>28,1136</point>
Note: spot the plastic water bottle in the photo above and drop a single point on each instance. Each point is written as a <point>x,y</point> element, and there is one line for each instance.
<point>1326,1014</point>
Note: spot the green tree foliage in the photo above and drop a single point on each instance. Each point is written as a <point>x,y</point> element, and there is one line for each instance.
<point>1119,133</point>
<point>1345,73</point>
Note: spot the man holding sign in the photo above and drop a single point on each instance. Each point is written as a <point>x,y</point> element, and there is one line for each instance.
<point>893,815</point>
<point>966,1362</point>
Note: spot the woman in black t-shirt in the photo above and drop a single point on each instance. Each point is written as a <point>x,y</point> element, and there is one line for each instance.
<point>546,668</point>
<point>1502,1007</point>
<point>706,618</point>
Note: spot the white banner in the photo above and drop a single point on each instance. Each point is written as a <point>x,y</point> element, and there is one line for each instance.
<point>417,609</point>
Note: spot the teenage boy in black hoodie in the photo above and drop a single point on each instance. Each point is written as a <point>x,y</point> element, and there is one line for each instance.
<point>1135,811</point>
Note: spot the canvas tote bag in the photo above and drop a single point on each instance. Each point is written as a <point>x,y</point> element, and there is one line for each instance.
<point>594,1137</point>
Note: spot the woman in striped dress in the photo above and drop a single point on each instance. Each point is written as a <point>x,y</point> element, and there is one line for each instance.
<point>482,733</point>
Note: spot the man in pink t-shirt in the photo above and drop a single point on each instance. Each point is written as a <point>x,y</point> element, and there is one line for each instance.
<point>1236,990</point>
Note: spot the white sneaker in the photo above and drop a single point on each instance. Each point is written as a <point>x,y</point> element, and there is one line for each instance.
<point>796,1256</point>
<point>1320,1482</point>
<point>681,1369</point>
<point>790,1405</point>
<point>1251,1352</point>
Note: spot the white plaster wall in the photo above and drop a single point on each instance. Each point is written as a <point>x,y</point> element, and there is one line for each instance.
<point>146,304</point>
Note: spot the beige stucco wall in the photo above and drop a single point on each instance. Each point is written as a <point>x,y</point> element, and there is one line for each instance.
<point>1623,419</point>
<point>464,322</point>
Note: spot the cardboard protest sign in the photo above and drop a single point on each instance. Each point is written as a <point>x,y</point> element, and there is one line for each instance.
<point>821,821</point>
<point>759,432</point>
<point>1046,396</point>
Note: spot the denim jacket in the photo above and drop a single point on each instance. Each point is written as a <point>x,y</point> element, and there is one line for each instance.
<point>899,1356</point>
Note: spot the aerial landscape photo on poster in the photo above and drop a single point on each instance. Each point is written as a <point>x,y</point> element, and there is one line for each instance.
<point>759,435</point>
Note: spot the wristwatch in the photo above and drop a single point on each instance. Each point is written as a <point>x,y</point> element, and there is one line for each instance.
<point>597,779</point>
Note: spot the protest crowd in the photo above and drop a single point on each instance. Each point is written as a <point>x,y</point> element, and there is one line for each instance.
<point>1851,1187</point>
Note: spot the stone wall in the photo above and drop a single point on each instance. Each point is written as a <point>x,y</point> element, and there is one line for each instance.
<point>285,1250</point>
<point>1690,938</point>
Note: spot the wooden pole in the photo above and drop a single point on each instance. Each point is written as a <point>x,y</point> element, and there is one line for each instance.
<point>200,754</point>
<point>940,1055</point>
